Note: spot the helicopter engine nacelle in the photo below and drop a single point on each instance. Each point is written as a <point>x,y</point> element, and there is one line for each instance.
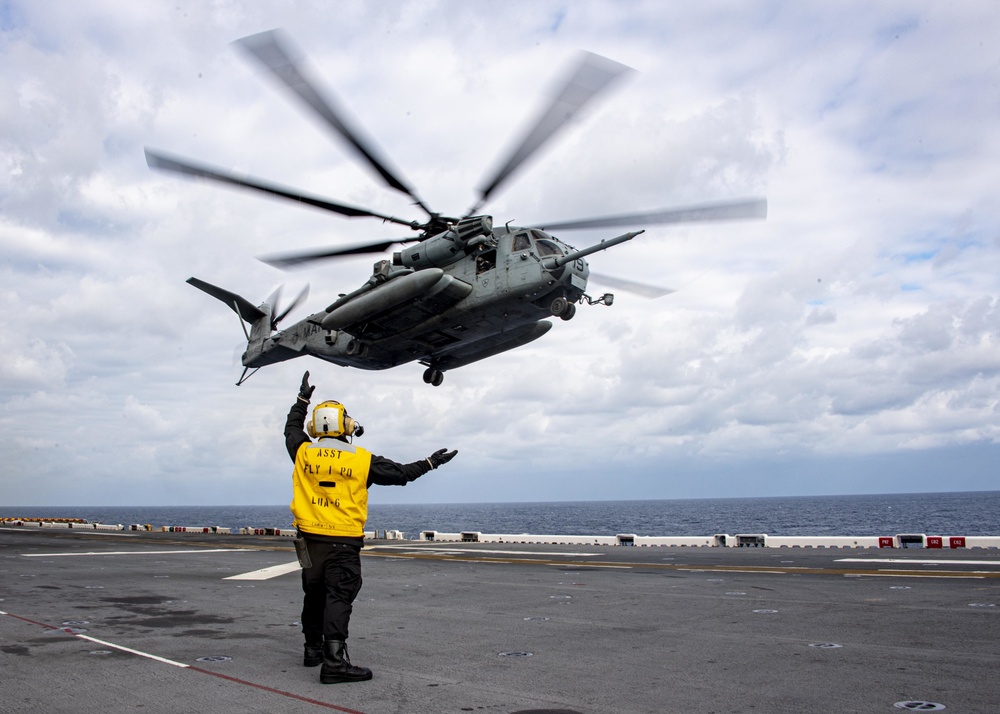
<point>448,247</point>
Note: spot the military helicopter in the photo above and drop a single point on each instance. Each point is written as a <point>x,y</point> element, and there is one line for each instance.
<point>466,289</point>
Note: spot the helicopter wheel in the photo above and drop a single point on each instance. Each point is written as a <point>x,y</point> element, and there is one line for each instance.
<point>433,376</point>
<point>559,306</point>
<point>568,312</point>
<point>357,348</point>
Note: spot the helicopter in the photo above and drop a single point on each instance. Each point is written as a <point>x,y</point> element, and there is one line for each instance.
<point>466,289</point>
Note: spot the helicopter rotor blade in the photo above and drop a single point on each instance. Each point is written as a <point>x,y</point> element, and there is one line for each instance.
<point>631,286</point>
<point>290,260</point>
<point>720,211</point>
<point>275,53</point>
<point>157,160</point>
<point>592,75</point>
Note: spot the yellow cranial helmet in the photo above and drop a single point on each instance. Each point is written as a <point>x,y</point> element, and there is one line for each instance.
<point>329,418</point>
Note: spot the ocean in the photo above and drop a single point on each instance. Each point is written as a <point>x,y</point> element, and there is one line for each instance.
<point>957,513</point>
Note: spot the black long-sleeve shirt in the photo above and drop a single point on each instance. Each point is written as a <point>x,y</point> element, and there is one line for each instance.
<point>383,471</point>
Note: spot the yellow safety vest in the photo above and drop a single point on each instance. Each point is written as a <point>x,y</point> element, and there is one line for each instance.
<point>330,488</point>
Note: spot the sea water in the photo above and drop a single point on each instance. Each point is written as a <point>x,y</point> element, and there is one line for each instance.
<point>956,513</point>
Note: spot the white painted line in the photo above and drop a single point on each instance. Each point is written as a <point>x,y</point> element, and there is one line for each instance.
<point>741,571</point>
<point>887,573</point>
<point>35,529</point>
<point>473,551</point>
<point>141,552</point>
<point>267,573</point>
<point>132,651</point>
<point>588,566</point>
<point>995,563</point>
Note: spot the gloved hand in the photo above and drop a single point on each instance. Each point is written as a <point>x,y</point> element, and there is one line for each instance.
<point>306,391</point>
<point>441,456</point>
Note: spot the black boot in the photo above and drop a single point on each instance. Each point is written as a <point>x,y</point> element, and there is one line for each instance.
<point>313,656</point>
<point>337,665</point>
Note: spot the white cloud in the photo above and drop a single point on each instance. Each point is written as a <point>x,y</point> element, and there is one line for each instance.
<point>859,321</point>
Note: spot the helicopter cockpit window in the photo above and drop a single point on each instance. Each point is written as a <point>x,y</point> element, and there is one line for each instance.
<point>547,247</point>
<point>521,242</point>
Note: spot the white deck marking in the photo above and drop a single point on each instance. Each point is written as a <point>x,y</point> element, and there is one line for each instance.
<point>267,573</point>
<point>995,563</point>
<point>141,552</point>
<point>132,651</point>
<point>471,551</point>
<point>120,534</point>
<point>887,573</point>
<point>588,566</point>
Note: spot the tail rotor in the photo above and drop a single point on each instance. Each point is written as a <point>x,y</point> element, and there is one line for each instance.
<point>279,315</point>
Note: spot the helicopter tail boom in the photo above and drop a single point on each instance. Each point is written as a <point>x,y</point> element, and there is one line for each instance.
<point>261,349</point>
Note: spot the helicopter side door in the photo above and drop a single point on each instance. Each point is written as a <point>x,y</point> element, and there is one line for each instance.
<point>489,276</point>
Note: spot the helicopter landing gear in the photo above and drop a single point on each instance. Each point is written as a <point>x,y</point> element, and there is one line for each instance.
<point>433,376</point>
<point>357,348</point>
<point>562,308</point>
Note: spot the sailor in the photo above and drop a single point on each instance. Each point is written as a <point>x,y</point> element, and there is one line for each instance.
<point>330,484</point>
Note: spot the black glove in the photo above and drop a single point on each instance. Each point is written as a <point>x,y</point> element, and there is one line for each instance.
<point>441,456</point>
<point>306,391</point>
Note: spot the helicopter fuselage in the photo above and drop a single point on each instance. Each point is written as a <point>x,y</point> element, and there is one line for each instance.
<point>492,294</point>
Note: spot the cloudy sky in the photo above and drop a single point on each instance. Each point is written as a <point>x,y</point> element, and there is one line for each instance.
<point>850,343</point>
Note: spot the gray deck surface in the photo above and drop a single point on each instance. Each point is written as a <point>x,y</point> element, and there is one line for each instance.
<point>497,628</point>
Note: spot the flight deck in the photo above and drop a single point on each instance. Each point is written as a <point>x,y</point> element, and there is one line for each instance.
<point>164,622</point>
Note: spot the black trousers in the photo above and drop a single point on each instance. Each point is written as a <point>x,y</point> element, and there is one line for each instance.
<point>330,586</point>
